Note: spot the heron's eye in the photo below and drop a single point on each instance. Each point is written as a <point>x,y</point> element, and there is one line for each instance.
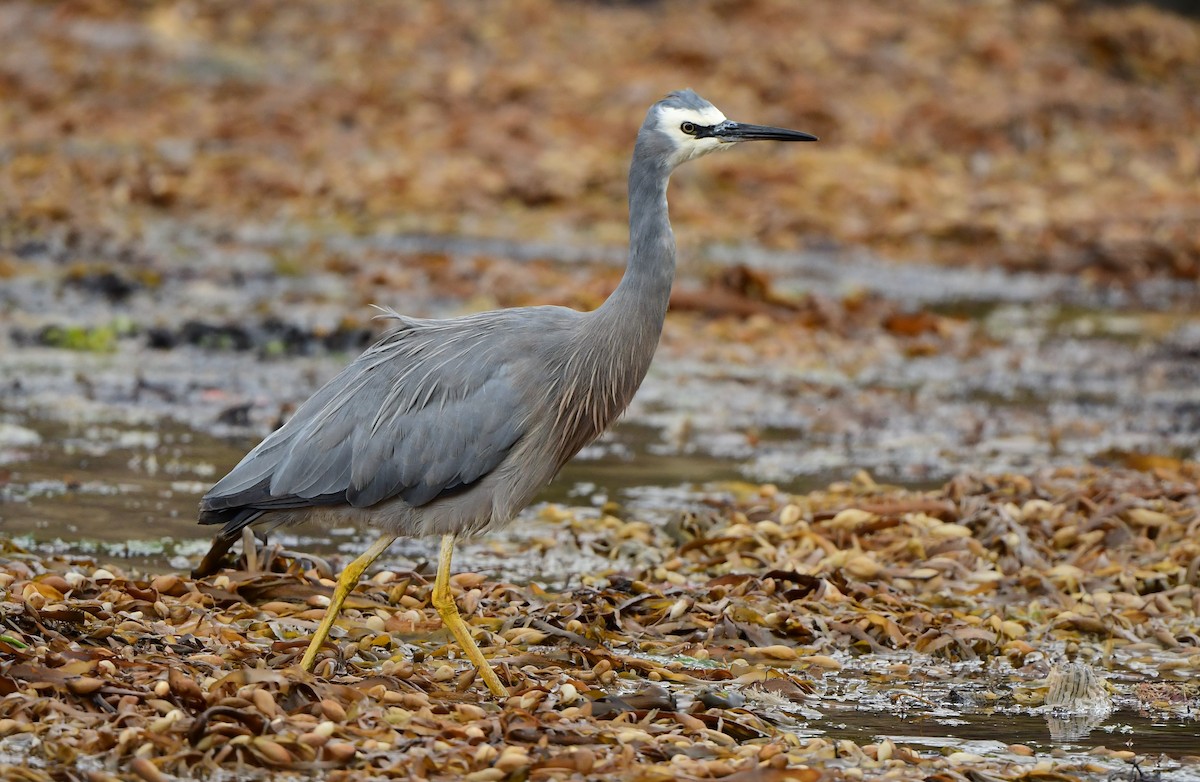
<point>688,128</point>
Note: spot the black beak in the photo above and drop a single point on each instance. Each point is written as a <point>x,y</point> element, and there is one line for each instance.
<point>729,131</point>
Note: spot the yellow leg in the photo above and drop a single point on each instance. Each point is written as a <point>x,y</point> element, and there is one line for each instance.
<point>345,585</point>
<point>443,601</point>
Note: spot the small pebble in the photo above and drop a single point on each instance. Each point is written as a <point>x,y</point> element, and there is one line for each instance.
<point>339,751</point>
<point>333,710</point>
<point>147,770</point>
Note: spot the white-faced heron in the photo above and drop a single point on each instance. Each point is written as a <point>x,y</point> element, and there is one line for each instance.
<point>450,427</point>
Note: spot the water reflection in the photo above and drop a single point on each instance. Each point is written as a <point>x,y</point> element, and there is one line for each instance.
<point>1068,728</point>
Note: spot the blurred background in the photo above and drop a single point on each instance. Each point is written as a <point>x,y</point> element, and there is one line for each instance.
<point>989,262</point>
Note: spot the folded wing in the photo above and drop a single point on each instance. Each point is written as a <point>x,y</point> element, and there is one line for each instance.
<point>426,412</point>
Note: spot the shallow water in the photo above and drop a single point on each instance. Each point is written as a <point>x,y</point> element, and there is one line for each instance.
<point>132,491</point>
<point>116,448</point>
<point>969,708</point>
<point>946,714</point>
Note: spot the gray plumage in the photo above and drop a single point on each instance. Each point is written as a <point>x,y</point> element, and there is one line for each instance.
<point>452,426</point>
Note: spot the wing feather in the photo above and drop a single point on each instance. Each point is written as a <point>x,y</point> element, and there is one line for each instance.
<point>426,411</point>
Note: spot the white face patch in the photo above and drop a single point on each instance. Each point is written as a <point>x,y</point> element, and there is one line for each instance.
<point>688,147</point>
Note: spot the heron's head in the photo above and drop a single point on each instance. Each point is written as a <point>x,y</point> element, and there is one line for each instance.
<point>683,126</point>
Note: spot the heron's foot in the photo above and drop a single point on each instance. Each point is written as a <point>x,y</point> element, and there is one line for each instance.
<point>455,624</point>
<point>345,585</point>
<point>443,601</point>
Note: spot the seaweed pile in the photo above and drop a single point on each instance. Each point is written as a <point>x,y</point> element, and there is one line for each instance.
<point>705,661</point>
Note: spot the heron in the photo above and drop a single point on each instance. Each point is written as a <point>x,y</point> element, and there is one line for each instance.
<point>450,427</point>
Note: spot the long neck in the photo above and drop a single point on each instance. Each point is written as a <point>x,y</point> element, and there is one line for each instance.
<point>609,356</point>
<point>637,308</point>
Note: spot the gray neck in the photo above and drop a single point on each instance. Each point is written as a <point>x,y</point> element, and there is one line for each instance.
<point>637,308</point>
<point>607,359</point>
